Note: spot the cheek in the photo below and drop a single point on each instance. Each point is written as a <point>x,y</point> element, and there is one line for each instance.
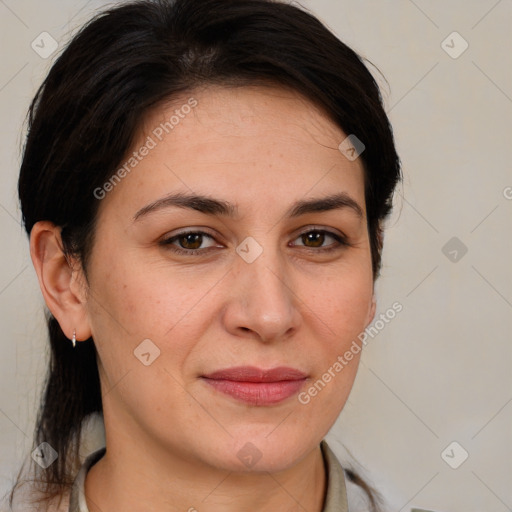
<point>131,307</point>
<point>342,302</point>
<point>129,299</point>
<point>340,312</point>
<point>133,303</point>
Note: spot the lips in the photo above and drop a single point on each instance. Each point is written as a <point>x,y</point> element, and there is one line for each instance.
<point>257,386</point>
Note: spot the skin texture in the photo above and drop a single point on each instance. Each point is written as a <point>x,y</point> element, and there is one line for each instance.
<point>173,440</point>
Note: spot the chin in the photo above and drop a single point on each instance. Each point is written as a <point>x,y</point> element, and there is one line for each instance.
<point>263,453</point>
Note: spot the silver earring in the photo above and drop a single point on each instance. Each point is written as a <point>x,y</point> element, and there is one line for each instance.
<point>74,338</point>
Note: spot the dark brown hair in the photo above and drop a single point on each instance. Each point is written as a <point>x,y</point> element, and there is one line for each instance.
<point>84,117</point>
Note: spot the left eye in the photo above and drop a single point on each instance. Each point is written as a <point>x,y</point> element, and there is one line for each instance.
<point>315,239</point>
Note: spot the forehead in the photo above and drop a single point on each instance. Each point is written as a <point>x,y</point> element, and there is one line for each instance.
<point>240,143</point>
<point>247,111</point>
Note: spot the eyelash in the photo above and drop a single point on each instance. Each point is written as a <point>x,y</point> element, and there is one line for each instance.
<point>168,242</point>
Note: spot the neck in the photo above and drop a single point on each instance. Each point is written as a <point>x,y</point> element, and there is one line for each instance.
<point>139,479</point>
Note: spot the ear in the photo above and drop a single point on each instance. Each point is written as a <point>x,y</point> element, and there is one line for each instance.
<point>371,311</point>
<point>62,282</point>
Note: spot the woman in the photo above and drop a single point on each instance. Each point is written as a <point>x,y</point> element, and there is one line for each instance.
<point>204,184</point>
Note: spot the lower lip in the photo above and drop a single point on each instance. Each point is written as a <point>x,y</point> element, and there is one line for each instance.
<point>258,393</point>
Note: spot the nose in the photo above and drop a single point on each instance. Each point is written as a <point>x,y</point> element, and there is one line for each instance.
<point>263,304</point>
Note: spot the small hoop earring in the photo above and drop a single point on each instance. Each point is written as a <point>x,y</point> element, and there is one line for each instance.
<point>74,338</point>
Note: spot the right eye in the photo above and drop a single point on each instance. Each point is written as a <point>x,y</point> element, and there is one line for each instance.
<point>188,242</point>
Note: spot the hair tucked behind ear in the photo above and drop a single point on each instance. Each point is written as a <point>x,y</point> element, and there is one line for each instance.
<point>82,122</point>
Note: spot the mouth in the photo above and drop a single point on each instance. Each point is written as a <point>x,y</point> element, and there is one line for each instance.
<point>256,386</point>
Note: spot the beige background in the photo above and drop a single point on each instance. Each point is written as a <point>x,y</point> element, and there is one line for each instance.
<point>441,370</point>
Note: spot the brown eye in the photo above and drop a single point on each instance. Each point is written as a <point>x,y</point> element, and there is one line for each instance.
<point>313,238</point>
<point>319,239</point>
<point>190,243</point>
<point>190,240</point>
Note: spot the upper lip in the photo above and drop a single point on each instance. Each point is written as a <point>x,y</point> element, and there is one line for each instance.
<point>253,374</point>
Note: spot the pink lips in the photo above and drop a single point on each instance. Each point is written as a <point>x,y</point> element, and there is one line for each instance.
<point>257,386</point>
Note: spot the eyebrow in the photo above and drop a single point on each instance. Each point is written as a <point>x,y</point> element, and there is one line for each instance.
<point>211,206</point>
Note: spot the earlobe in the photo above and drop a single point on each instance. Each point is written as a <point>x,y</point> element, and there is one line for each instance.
<point>57,280</point>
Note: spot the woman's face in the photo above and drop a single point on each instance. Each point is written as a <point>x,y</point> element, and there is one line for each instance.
<point>261,280</point>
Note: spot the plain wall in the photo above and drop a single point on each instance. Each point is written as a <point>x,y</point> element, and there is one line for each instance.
<point>440,371</point>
